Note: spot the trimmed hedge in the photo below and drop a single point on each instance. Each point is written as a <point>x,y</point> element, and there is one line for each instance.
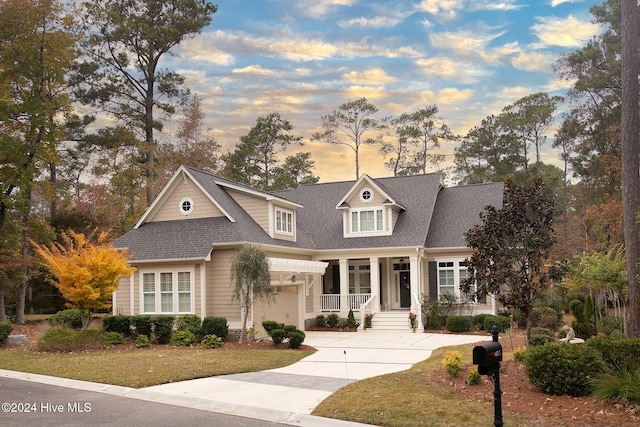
<point>163,328</point>
<point>189,322</point>
<point>217,326</point>
<point>71,318</point>
<point>65,339</point>
<point>502,322</point>
<point>478,320</point>
<point>564,368</point>
<point>458,323</point>
<point>620,354</point>
<point>541,336</point>
<point>118,323</point>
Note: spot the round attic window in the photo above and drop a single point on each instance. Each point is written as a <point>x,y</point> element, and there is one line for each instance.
<point>186,206</point>
<point>366,195</point>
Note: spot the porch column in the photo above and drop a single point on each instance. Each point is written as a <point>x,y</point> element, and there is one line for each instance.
<point>414,275</point>
<point>344,285</point>
<point>374,271</point>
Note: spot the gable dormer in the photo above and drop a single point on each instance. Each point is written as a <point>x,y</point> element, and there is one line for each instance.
<point>368,210</point>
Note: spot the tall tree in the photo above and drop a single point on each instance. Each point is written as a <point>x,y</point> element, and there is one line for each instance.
<point>36,51</point>
<point>255,158</point>
<point>251,280</point>
<point>511,246</point>
<point>529,118</point>
<point>631,158</point>
<point>125,41</point>
<point>417,134</point>
<point>296,170</point>
<point>87,269</point>
<point>347,126</point>
<point>487,154</point>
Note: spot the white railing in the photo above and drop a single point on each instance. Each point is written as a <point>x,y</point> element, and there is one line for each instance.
<point>333,302</point>
<point>365,309</point>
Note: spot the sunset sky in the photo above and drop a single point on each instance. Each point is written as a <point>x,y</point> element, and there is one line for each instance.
<point>303,58</point>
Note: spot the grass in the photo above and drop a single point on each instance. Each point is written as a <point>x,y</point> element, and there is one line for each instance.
<point>408,398</point>
<point>146,367</point>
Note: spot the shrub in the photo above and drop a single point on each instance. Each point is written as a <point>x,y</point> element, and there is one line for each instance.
<point>519,353</point>
<point>113,338</point>
<point>608,325</point>
<point>217,326</point>
<point>351,320</point>
<point>434,319</point>
<point>183,338</point>
<point>620,386</point>
<point>474,377</point>
<point>142,324</point>
<point>278,336</point>
<point>290,328</point>
<point>211,341</point>
<point>143,342</point>
<point>541,336</point>
<point>71,318</point>
<point>270,325</point>
<point>295,338</point>
<point>478,320</point>
<point>502,322</point>
<point>332,320</point>
<point>65,339</point>
<point>117,323</point>
<point>452,363</point>
<point>621,354</point>
<point>321,321</point>
<point>189,322</point>
<point>5,330</point>
<point>563,369</point>
<point>458,323</point>
<point>163,328</point>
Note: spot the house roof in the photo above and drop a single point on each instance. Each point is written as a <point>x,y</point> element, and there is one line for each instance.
<point>457,210</point>
<point>428,216</point>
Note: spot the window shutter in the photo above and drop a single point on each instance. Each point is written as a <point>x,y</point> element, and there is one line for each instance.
<point>433,281</point>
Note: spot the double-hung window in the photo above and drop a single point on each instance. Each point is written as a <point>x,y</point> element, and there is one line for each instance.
<point>450,275</point>
<point>167,291</point>
<point>284,221</point>
<point>367,220</point>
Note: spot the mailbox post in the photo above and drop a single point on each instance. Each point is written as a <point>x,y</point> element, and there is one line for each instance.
<point>488,356</point>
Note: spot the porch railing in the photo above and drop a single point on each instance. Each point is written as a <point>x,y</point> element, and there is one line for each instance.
<point>333,302</point>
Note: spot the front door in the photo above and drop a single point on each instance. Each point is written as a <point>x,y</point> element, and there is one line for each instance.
<point>405,289</point>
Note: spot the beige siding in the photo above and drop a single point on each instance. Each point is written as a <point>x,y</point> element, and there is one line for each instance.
<point>284,308</point>
<point>355,202</point>
<point>123,298</point>
<point>256,207</point>
<point>219,289</point>
<point>170,208</point>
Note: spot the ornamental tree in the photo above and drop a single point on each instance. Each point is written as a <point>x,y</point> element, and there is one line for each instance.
<point>251,280</point>
<point>87,270</point>
<point>511,247</point>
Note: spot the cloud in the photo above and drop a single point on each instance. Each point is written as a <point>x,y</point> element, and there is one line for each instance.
<point>474,44</point>
<point>368,92</point>
<point>448,9</point>
<point>451,69</point>
<point>533,61</point>
<point>321,8</point>
<point>565,32</point>
<point>372,76</point>
<point>256,70</point>
<point>555,3</point>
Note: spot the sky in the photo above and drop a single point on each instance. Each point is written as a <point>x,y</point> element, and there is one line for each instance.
<point>304,58</point>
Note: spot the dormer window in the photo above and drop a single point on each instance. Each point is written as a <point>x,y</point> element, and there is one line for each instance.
<point>186,206</point>
<point>367,220</point>
<point>284,221</point>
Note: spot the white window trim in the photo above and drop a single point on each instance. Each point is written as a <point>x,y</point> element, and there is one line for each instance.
<point>364,190</point>
<point>275,221</point>
<point>174,289</point>
<point>348,226</point>
<point>190,201</point>
<point>456,276</point>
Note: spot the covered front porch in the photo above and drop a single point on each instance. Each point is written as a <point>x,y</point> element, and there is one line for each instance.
<point>371,285</point>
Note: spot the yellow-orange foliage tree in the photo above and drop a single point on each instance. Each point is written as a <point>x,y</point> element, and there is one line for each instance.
<point>87,269</point>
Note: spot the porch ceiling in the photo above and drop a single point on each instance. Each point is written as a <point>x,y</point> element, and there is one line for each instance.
<point>297,265</point>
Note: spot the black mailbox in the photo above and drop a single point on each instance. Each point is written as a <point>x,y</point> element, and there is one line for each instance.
<point>487,356</point>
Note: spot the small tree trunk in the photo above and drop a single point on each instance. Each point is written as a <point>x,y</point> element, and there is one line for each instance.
<point>3,312</point>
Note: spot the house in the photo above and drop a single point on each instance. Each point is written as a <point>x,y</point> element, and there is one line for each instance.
<point>370,245</point>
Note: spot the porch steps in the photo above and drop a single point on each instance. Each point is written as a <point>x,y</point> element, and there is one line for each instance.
<point>396,320</point>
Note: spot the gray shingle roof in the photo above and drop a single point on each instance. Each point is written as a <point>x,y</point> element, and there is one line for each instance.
<point>457,210</point>
<point>434,217</point>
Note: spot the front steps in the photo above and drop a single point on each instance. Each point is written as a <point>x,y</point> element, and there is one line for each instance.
<point>396,320</point>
